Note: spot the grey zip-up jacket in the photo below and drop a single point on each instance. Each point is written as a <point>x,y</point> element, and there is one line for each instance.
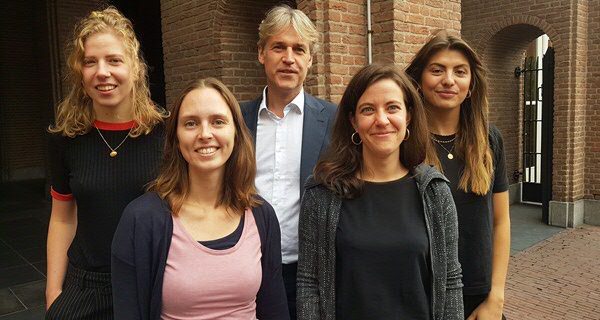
<point>319,216</point>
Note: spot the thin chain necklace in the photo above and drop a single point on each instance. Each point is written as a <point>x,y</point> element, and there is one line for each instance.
<point>113,151</point>
<point>442,142</point>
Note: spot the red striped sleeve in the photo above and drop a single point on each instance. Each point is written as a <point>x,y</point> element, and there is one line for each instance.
<point>60,196</point>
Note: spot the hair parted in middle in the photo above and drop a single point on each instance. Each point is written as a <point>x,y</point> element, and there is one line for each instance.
<point>472,141</point>
<point>338,167</point>
<point>281,17</point>
<point>238,191</point>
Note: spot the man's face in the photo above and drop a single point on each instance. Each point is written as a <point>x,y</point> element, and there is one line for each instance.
<point>286,58</point>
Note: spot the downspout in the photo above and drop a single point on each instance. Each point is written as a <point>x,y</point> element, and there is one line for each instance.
<point>369,34</point>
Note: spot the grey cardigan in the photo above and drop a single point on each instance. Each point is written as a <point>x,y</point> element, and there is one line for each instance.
<point>319,216</point>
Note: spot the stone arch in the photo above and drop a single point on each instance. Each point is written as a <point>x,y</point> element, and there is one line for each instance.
<point>508,21</point>
<point>502,47</point>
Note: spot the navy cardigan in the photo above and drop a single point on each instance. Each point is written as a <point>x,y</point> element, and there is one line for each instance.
<point>139,255</point>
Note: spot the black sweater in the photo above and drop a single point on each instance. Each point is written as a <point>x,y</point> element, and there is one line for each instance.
<point>101,185</point>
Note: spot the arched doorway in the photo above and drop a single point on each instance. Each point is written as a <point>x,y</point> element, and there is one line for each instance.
<point>521,111</point>
<point>537,105</point>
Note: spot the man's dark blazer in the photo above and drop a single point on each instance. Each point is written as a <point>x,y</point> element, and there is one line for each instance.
<point>316,130</point>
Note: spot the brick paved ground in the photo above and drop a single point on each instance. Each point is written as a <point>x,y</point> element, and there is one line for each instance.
<point>556,279</point>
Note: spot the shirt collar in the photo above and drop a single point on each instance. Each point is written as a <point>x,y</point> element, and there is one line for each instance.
<point>298,101</point>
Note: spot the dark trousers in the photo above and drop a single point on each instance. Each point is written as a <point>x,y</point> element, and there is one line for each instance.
<point>471,302</point>
<point>289,281</point>
<point>85,295</point>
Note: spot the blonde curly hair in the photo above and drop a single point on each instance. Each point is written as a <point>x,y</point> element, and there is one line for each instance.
<point>75,114</point>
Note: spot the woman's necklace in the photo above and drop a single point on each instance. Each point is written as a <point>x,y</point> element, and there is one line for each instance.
<point>113,151</point>
<point>442,142</point>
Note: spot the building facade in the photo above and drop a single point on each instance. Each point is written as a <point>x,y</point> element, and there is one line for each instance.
<point>218,38</point>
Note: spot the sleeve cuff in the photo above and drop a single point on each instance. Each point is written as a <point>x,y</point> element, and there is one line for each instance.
<point>60,196</point>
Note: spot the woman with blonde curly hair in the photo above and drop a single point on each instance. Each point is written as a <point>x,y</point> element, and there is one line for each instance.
<point>105,147</point>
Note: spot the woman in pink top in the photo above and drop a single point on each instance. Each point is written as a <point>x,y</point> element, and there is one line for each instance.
<point>201,244</point>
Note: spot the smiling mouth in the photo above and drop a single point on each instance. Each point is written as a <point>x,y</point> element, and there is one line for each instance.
<point>207,150</point>
<point>106,87</point>
<point>382,133</point>
<point>447,92</point>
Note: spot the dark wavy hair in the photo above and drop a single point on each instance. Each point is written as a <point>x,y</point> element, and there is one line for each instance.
<point>472,143</point>
<point>339,166</point>
<point>238,191</point>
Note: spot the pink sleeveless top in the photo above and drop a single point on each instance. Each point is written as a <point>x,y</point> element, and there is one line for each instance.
<point>202,283</point>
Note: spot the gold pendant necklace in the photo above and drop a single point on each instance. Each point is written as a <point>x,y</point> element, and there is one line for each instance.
<point>440,142</point>
<point>450,155</point>
<point>113,151</point>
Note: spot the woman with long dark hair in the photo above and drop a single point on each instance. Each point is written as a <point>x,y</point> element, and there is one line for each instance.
<point>453,84</point>
<point>201,244</point>
<point>105,147</point>
<point>378,231</point>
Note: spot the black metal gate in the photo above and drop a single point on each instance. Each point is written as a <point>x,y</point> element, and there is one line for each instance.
<point>538,109</point>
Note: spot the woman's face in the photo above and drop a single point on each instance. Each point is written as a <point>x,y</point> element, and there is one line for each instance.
<point>445,80</point>
<point>106,71</point>
<point>380,119</point>
<point>205,131</point>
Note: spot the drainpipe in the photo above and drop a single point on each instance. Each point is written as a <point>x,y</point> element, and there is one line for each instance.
<point>369,34</point>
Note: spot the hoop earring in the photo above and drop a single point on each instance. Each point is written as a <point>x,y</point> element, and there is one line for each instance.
<point>419,91</point>
<point>407,134</point>
<point>468,94</point>
<point>353,139</point>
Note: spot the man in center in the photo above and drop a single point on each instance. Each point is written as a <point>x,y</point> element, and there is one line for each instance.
<point>290,127</point>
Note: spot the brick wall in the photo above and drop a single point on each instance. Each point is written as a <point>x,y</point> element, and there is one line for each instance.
<point>504,54</point>
<point>399,30</point>
<point>187,43</point>
<point>592,146</point>
<point>218,38</point>
<point>402,27</point>
<point>343,45</point>
<point>500,32</point>
<point>236,37</point>
<point>212,38</point>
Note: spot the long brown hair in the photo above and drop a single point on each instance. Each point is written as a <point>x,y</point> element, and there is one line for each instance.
<point>339,166</point>
<point>238,191</point>
<point>472,142</point>
<point>75,114</point>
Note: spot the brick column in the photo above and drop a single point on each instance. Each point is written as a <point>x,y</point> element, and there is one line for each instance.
<point>343,45</point>
<point>507,27</point>
<point>400,28</point>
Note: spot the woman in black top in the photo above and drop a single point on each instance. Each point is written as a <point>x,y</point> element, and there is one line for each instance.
<point>378,233</point>
<point>105,146</point>
<point>453,84</point>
